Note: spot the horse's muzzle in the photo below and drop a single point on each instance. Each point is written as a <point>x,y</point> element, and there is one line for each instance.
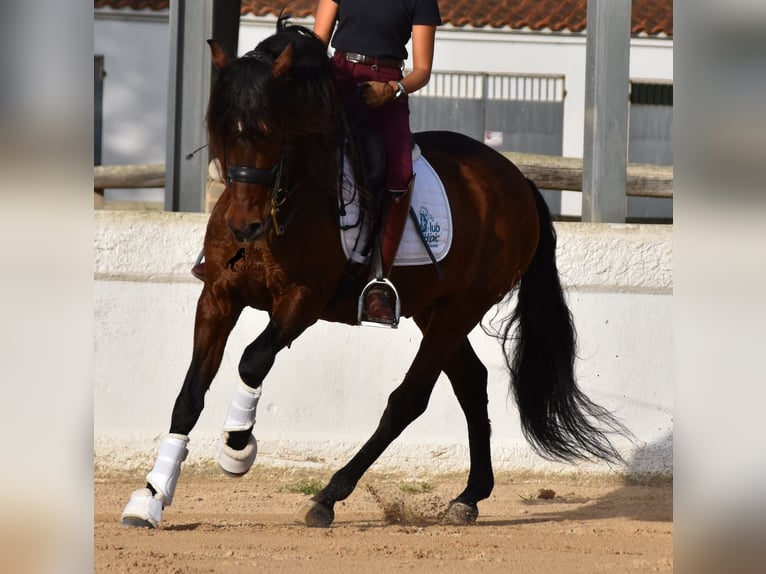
<point>248,232</point>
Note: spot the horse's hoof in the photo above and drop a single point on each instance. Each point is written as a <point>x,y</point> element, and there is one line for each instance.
<point>143,510</point>
<point>316,515</point>
<point>459,513</point>
<point>137,522</point>
<point>236,463</point>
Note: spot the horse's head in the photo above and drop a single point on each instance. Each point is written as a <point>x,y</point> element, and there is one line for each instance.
<point>264,108</point>
<point>244,136</point>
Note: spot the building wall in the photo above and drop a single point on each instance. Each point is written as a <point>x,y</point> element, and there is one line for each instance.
<point>135,46</point>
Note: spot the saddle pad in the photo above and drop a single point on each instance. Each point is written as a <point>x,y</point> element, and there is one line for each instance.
<point>429,200</point>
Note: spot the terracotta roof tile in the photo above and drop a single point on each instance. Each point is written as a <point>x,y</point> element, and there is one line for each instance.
<point>652,17</point>
<point>133,4</point>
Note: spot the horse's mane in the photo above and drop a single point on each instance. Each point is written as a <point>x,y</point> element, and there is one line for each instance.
<point>298,109</point>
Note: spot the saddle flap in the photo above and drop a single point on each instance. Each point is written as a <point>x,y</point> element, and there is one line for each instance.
<point>431,206</point>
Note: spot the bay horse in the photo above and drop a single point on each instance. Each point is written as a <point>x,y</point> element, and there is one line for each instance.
<point>273,243</point>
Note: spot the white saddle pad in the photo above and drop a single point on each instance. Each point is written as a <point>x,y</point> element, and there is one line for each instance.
<point>429,200</point>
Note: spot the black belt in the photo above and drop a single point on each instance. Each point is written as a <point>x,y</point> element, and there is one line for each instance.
<point>369,61</point>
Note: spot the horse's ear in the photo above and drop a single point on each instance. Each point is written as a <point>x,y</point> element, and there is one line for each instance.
<point>220,57</point>
<point>283,61</point>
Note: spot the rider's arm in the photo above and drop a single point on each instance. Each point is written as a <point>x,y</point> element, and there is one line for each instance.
<point>324,19</point>
<point>422,58</point>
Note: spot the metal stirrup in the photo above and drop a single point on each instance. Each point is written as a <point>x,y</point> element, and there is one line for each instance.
<point>385,285</point>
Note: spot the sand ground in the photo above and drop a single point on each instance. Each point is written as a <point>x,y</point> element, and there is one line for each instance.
<point>389,524</point>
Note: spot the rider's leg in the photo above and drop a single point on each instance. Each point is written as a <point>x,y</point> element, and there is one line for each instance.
<point>392,121</point>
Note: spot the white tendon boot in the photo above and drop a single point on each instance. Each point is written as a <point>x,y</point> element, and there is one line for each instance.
<point>241,417</point>
<point>143,508</point>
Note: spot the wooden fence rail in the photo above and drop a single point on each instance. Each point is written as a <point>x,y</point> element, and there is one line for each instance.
<point>129,176</point>
<point>548,172</point>
<point>554,172</point>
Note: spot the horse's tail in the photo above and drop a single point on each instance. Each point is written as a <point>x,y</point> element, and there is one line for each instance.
<point>557,419</point>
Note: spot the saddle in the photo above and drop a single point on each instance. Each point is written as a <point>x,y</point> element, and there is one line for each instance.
<point>427,232</point>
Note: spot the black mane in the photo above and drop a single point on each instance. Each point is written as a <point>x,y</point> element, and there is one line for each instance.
<point>297,109</point>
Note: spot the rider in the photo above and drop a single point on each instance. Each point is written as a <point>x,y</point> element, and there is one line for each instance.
<point>370,48</point>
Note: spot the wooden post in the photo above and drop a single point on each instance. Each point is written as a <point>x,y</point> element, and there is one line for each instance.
<point>606,111</point>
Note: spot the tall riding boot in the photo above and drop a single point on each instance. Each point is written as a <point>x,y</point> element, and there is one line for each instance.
<point>395,212</point>
<point>395,218</point>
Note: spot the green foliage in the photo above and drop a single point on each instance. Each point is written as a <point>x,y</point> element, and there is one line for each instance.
<point>416,487</point>
<point>308,486</point>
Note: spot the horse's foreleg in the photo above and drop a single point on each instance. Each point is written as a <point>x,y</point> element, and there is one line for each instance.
<point>469,381</point>
<point>214,321</point>
<point>292,314</point>
<point>237,447</point>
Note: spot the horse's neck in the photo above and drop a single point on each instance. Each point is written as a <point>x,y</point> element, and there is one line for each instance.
<point>312,179</point>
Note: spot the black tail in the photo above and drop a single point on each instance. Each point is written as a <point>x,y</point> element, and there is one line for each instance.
<point>558,420</point>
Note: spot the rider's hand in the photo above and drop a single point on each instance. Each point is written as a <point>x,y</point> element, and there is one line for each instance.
<point>375,94</point>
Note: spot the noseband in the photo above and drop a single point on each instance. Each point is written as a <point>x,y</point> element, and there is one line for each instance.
<point>259,176</point>
<point>243,174</point>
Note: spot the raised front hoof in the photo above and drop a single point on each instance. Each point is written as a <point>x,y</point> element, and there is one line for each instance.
<point>315,515</point>
<point>143,510</point>
<point>236,463</point>
<point>460,514</point>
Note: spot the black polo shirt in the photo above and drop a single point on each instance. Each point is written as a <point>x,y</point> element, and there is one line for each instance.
<point>381,28</point>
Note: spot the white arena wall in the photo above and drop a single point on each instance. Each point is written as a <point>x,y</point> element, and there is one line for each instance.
<point>325,394</point>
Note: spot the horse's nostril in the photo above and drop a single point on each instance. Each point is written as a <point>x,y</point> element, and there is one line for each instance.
<point>234,231</point>
<point>251,231</point>
<point>247,233</point>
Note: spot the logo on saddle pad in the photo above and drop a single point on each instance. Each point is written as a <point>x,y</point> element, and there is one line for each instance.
<point>429,227</point>
<point>429,201</point>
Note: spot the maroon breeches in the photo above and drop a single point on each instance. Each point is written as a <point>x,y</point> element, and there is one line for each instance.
<point>391,120</point>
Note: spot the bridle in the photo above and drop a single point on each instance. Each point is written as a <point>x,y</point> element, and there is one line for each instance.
<point>274,177</point>
<point>259,176</point>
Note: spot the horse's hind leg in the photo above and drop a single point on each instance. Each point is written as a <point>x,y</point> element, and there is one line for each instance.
<point>443,334</point>
<point>214,321</point>
<point>469,381</point>
<point>408,401</point>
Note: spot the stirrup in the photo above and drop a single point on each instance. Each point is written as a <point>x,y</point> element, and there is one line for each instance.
<point>384,285</point>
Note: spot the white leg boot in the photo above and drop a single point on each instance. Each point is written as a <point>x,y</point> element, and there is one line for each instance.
<point>144,509</point>
<point>241,417</point>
